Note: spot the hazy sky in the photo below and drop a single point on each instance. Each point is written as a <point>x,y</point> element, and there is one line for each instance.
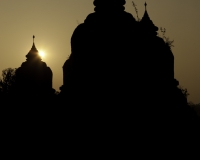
<point>53,22</point>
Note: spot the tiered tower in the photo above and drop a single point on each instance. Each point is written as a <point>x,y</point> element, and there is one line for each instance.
<point>34,77</point>
<point>116,59</point>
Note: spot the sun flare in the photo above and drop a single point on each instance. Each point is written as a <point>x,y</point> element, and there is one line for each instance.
<point>42,54</point>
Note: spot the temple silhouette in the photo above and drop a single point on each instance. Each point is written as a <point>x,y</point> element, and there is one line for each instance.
<point>116,57</point>
<point>120,77</point>
<point>115,61</point>
<point>34,77</point>
<point>118,90</point>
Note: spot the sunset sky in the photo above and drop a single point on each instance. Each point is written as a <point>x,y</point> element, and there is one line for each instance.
<point>53,22</point>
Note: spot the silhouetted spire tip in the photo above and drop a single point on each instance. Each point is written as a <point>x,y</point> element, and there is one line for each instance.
<point>145,6</point>
<point>33,47</point>
<point>33,38</point>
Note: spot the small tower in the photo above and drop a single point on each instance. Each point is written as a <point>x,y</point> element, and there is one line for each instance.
<point>146,23</point>
<point>159,59</point>
<point>34,77</point>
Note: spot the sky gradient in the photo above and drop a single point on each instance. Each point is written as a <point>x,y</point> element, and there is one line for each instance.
<point>53,22</point>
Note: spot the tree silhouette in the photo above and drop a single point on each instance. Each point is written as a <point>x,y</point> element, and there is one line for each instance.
<point>166,39</point>
<point>7,81</point>
<point>184,91</point>
<point>136,10</point>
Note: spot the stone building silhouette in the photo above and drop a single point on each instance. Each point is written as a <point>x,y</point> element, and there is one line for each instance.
<point>98,47</point>
<point>119,80</point>
<point>34,77</point>
<point>118,60</point>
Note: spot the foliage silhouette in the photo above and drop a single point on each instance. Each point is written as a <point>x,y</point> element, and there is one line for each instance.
<point>167,40</point>
<point>184,91</point>
<point>7,82</point>
<point>136,11</point>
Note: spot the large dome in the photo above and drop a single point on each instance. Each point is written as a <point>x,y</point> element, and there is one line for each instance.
<point>109,4</point>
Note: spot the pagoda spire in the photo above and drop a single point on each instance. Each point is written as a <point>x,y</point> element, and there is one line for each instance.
<point>145,6</point>
<point>33,52</point>
<point>147,22</point>
<point>33,47</point>
<point>146,15</point>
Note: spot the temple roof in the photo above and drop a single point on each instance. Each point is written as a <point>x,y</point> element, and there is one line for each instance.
<point>147,21</point>
<point>33,53</point>
<point>146,15</point>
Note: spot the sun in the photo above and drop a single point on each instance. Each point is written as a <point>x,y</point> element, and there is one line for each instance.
<point>42,54</point>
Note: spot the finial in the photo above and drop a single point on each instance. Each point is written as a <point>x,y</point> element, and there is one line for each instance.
<point>33,38</point>
<point>145,6</point>
<point>109,5</point>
